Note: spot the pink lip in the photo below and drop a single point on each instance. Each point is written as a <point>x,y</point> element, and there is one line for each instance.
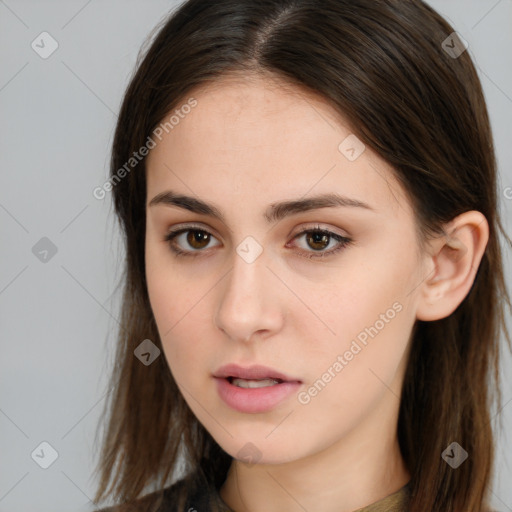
<point>254,400</point>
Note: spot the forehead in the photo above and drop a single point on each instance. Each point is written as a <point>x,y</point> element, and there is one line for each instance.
<point>261,139</point>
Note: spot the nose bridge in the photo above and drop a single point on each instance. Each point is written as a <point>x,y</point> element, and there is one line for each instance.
<point>247,303</point>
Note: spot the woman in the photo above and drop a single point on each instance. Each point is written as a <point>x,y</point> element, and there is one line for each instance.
<point>314,283</point>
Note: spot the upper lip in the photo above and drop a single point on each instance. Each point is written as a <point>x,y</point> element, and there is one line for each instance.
<point>252,372</point>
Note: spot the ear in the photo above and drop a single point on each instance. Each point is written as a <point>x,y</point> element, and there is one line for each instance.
<point>452,262</point>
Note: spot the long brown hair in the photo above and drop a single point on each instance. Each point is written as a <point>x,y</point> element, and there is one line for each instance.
<point>383,65</point>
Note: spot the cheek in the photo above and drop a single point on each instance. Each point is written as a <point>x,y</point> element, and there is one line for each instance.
<point>349,375</point>
<point>359,298</point>
<point>178,304</point>
<point>162,292</point>
<point>170,293</point>
<point>170,315</point>
<point>369,310</point>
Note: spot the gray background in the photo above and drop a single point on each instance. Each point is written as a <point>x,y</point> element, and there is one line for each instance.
<point>57,316</point>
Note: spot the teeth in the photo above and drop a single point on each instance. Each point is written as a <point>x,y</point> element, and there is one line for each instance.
<point>243,383</point>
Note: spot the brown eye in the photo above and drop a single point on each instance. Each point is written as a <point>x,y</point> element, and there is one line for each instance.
<point>317,240</point>
<point>192,241</point>
<point>189,241</point>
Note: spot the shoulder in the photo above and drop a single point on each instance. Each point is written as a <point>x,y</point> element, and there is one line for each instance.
<point>167,500</point>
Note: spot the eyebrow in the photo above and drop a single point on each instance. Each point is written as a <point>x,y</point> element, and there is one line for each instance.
<point>274,213</point>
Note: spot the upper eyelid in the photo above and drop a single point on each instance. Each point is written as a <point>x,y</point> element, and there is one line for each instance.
<point>316,227</point>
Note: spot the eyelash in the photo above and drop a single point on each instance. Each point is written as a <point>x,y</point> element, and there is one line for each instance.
<point>343,242</point>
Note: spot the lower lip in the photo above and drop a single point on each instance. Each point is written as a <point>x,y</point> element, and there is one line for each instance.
<point>253,400</point>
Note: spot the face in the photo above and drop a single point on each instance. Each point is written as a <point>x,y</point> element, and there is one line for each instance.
<point>325,296</point>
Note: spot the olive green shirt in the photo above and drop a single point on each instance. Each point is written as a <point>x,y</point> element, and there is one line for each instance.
<point>396,502</point>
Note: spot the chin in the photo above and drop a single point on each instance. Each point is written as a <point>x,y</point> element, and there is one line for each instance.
<point>257,450</point>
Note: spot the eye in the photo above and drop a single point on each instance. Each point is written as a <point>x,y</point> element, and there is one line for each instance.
<point>319,239</point>
<point>316,238</point>
<point>194,236</point>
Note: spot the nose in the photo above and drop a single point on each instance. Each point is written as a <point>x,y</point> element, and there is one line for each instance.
<point>251,301</point>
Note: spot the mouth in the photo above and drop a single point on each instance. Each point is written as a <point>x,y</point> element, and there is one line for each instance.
<point>254,389</point>
<point>253,383</point>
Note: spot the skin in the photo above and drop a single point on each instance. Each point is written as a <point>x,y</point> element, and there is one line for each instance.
<point>251,142</point>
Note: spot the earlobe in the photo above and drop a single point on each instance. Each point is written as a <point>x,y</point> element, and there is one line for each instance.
<point>453,261</point>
